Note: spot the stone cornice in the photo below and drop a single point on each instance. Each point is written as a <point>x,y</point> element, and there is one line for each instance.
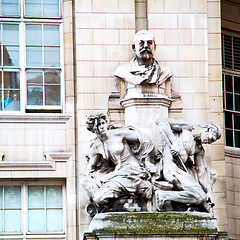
<point>34,118</point>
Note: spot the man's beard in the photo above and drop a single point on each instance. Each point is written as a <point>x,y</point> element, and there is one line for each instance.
<point>146,53</point>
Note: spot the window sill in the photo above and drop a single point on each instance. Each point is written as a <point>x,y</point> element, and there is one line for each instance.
<point>232,152</point>
<point>35,118</point>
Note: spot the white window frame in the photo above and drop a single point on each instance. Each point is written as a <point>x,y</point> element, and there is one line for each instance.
<point>24,234</point>
<point>22,21</point>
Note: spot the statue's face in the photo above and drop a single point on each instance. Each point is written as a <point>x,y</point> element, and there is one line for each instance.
<point>208,136</point>
<point>144,47</point>
<point>101,127</point>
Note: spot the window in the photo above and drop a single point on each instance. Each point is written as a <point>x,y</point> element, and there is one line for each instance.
<point>31,64</point>
<point>231,89</point>
<point>32,209</point>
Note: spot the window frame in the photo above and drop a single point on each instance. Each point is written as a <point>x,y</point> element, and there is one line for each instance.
<point>226,71</point>
<point>23,20</point>
<point>24,234</point>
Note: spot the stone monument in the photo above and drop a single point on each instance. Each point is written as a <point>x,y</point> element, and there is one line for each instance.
<point>148,177</point>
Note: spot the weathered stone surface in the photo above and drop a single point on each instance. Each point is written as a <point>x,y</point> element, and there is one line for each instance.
<point>153,223</point>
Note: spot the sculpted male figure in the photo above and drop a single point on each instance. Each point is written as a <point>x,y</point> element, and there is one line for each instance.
<point>143,68</point>
<point>190,174</point>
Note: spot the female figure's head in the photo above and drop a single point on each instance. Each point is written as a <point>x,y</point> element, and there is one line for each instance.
<point>97,124</point>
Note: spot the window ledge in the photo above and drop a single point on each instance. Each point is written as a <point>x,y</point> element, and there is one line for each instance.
<point>232,152</point>
<point>34,118</point>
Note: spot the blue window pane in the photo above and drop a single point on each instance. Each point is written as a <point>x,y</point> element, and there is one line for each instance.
<point>35,196</point>
<point>11,100</point>
<point>34,34</point>
<point>33,8</point>
<point>34,95</point>
<point>54,220</point>
<point>34,56</point>
<point>51,35</point>
<point>51,56</point>
<point>1,197</point>
<point>51,8</point>
<point>10,34</point>
<point>10,7</point>
<point>54,196</point>
<point>36,220</point>
<point>1,220</point>
<point>12,196</point>
<point>12,220</point>
<point>34,76</point>
<point>10,56</point>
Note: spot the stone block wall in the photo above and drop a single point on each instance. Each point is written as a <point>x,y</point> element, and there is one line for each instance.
<point>188,36</point>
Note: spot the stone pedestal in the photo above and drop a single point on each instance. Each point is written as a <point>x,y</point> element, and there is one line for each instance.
<point>157,225</point>
<point>143,112</point>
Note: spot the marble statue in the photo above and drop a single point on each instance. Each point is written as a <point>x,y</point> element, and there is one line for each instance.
<point>143,68</point>
<point>183,162</point>
<point>127,172</point>
<point>118,165</point>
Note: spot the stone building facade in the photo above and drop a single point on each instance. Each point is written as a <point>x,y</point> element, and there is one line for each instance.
<point>44,141</point>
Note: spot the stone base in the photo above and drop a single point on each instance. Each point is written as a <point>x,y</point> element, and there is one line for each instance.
<point>160,225</point>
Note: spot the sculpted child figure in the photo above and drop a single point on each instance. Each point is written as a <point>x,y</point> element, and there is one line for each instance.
<point>117,162</point>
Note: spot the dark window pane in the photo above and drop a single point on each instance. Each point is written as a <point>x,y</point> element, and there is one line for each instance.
<point>237,102</point>
<point>237,121</point>
<point>228,83</point>
<point>229,101</point>
<point>34,95</point>
<point>53,95</point>
<point>228,120</point>
<point>1,100</point>
<point>236,84</point>
<point>12,80</point>
<point>224,105</point>
<point>237,138</point>
<point>52,77</point>
<point>10,56</point>
<point>0,80</point>
<point>34,76</point>
<point>229,138</point>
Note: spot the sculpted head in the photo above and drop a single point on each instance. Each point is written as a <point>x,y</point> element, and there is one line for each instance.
<point>211,132</point>
<point>97,123</point>
<point>144,45</point>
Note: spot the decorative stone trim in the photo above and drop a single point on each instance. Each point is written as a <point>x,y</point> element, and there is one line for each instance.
<point>34,118</point>
<point>147,101</point>
<point>232,152</point>
<point>48,165</point>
